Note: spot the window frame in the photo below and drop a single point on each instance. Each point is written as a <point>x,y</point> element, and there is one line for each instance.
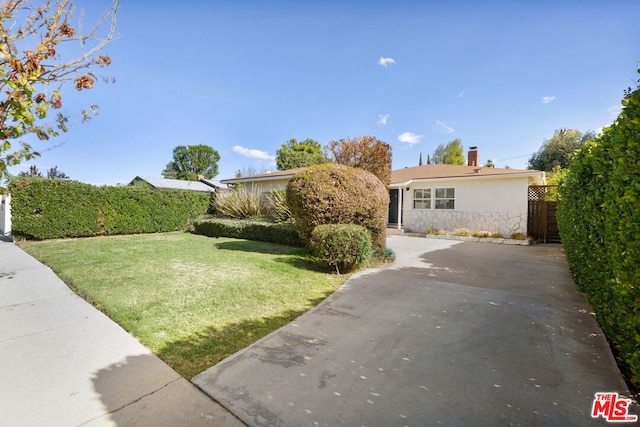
<point>422,199</point>
<point>447,197</point>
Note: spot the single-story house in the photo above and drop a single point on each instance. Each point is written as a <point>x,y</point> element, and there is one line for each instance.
<point>444,197</point>
<point>265,182</point>
<point>203,185</point>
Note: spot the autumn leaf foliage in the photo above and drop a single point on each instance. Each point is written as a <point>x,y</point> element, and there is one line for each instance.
<point>365,152</point>
<point>40,50</point>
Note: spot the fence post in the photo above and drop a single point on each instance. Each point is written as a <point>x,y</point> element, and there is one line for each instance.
<point>5,214</point>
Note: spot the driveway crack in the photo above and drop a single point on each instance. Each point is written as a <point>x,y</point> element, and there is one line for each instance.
<point>133,401</point>
<point>36,301</point>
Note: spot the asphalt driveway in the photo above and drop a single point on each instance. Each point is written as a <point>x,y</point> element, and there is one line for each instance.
<point>453,334</point>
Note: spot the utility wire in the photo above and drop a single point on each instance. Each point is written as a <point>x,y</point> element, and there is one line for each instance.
<point>516,157</point>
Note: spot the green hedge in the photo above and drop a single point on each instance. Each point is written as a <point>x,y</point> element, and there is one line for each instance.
<point>341,246</point>
<point>53,208</point>
<point>599,221</point>
<point>283,233</point>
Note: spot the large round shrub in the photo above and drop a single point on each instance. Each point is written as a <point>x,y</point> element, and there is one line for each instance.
<point>341,246</point>
<point>337,194</point>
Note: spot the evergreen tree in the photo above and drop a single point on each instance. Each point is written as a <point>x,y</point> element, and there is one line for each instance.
<point>294,154</point>
<point>559,150</point>
<point>190,161</point>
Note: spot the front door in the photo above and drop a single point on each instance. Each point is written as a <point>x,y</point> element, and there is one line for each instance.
<point>393,206</point>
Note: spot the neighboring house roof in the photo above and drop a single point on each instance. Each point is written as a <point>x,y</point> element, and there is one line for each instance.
<point>401,177</point>
<point>270,176</point>
<point>214,183</point>
<point>173,184</point>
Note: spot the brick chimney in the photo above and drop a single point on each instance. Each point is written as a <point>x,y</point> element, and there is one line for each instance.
<point>473,158</point>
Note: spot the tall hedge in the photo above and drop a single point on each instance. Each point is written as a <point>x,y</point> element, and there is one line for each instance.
<point>599,221</point>
<point>337,194</point>
<point>53,208</point>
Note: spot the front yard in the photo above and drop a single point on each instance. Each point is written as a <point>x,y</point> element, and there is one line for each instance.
<point>190,299</point>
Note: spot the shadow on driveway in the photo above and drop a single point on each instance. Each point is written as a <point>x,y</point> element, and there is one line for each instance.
<point>123,389</point>
<point>452,334</point>
<point>201,350</point>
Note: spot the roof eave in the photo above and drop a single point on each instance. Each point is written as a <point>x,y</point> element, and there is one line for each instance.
<point>399,184</point>
<point>257,179</point>
<point>461,177</point>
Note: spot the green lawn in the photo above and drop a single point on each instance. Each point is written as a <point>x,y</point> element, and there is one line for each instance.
<point>192,300</point>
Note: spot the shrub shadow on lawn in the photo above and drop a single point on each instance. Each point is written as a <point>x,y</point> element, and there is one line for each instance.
<point>258,247</point>
<point>206,348</point>
<point>297,257</point>
<point>304,263</point>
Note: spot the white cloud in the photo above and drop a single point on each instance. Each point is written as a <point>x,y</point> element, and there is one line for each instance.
<point>252,153</point>
<point>383,119</point>
<point>445,127</point>
<point>385,62</point>
<point>614,110</point>
<point>548,99</point>
<point>461,94</point>
<point>409,137</point>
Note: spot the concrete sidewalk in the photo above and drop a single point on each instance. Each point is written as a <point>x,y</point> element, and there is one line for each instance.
<point>64,363</point>
<point>453,334</point>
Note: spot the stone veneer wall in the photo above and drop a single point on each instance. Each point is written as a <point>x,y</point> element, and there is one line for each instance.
<point>419,221</point>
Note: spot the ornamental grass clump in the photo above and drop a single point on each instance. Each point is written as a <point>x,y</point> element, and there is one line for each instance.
<point>463,232</point>
<point>241,203</point>
<point>432,231</point>
<point>276,206</point>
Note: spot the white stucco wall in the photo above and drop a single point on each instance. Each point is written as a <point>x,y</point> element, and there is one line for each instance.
<point>267,186</point>
<point>481,204</point>
<point>5,214</point>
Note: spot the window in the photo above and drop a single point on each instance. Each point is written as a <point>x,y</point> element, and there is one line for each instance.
<point>422,198</point>
<point>445,198</point>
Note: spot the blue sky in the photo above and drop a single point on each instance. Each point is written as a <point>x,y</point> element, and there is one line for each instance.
<point>246,76</point>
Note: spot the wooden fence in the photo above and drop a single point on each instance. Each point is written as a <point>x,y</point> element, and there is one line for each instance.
<point>542,224</point>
